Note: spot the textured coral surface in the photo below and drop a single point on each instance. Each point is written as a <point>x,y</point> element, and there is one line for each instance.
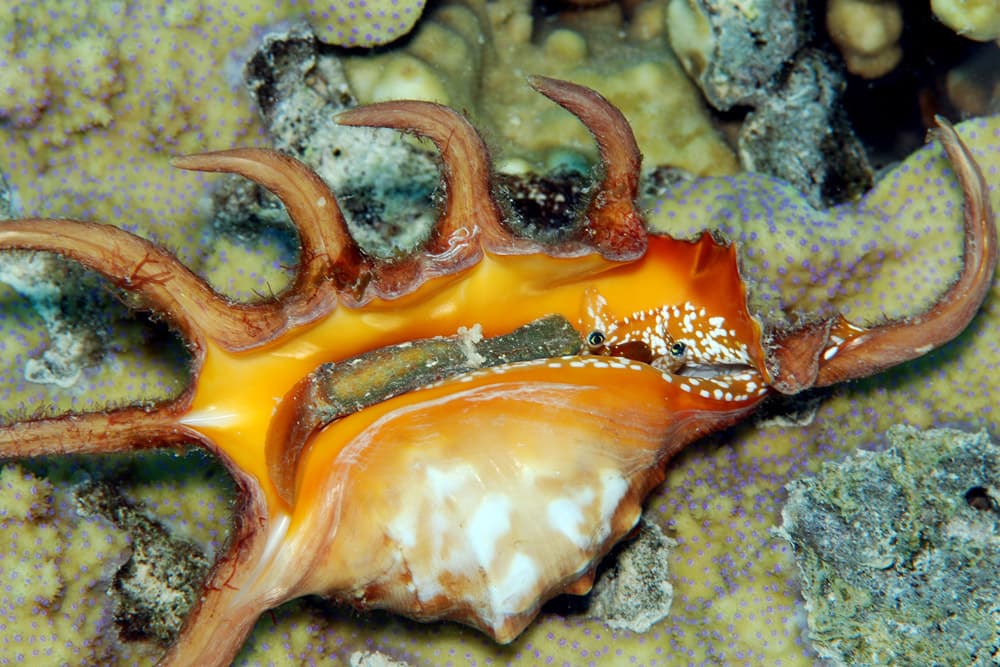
<point>53,567</point>
<point>90,140</point>
<point>884,540</point>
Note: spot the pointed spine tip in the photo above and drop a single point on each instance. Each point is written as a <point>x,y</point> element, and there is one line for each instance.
<point>614,225</point>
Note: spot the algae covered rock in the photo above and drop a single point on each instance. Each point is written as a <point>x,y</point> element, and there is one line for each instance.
<point>899,551</point>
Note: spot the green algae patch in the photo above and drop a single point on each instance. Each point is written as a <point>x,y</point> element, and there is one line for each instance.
<point>899,550</point>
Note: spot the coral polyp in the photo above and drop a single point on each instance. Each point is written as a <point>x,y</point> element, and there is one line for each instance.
<point>529,394</point>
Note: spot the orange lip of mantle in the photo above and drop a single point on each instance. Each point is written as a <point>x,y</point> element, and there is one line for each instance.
<point>236,393</point>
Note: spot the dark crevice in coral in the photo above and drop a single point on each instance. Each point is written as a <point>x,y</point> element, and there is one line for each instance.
<point>892,114</point>
<point>546,208</point>
<point>980,499</point>
<point>156,587</point>
<point>797,409</point>
<point>369,210</point>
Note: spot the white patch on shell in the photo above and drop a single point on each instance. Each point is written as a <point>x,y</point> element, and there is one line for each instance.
<point>613,489</point>
<point>490,522</point>
<point>444,484</point>
<point>509,592</point>
<point>566,516</point>
<point>464,532</point>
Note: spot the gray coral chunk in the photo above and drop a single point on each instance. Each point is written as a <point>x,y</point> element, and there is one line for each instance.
<point>748,46</point>
<point>156,587</point>
<point>383,183</point>
<point>801,135</point>
<point>635,592</point>
<point>899,551</point>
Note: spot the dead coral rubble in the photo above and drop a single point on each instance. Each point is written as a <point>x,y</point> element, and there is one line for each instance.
<point>899,551</point>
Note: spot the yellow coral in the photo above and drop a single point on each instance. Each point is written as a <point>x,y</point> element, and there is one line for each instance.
<point>975,19</point>
<point>867,33</point>
<point>53,576</point>
<point>474,56</point>
<point>67,64</point>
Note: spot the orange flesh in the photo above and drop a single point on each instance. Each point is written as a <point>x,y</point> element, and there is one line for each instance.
<point>236,393</point>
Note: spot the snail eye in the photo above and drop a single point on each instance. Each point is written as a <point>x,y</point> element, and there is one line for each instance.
<point>595,338</point>
<point>678,349</point>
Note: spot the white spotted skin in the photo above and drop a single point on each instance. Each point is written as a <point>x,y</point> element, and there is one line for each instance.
<point>705,337</point>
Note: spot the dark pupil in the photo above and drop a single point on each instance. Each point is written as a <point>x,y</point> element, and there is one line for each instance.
<point>677,349</point>
<point>595,338</point>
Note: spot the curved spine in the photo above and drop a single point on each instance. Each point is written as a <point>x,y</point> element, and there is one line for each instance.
<point>875,349</point>
<point>330,259</point>
<point>137,265</point>
<point>614,224</point>
<point>121,430</point>
<point>469,206</point>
